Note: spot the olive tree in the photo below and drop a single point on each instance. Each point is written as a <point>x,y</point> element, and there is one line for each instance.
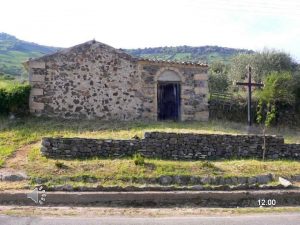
<point>262,64</point>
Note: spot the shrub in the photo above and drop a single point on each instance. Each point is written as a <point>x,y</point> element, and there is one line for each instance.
<point>60,165</point>
<point>14,99</point>
<point>139,159</point>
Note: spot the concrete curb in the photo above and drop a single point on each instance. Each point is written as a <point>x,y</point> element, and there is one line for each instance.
<point>224,199</point>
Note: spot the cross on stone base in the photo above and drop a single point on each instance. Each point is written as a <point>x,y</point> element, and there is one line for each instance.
<point>249,84</point>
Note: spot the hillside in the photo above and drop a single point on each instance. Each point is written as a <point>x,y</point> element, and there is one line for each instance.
<point>14,51</point>
<point>206,54</point>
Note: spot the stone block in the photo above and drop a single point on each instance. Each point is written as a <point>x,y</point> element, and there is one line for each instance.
<point>202,116</point>
<point>202,76</point>
<point>252,180</point>
<point>205,180</point>
<point>199,90</point>
<point>185,97</point>
<point>242,180</point>
<point>165,180</point>
<point>284,182</point>
<point>296,178</point>
<point>37,91</point>
<point>173,140</point>
<point>36,106</point>
<point>37,65</point>
<point>187,87</point>
<point>36,78</point>
<point>264,179</point>
<point>14,176</point>
<point>187,117</point>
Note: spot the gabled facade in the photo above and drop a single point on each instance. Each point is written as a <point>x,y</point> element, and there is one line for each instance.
<point>94,80</point>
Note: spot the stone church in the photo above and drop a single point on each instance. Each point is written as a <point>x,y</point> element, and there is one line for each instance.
<point>94,80</point>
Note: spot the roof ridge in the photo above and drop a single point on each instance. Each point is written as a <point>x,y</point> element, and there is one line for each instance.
<point>66,50</point>
<point>174,62</point>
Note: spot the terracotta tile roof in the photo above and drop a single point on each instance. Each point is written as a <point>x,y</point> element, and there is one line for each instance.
<point>174,62</point>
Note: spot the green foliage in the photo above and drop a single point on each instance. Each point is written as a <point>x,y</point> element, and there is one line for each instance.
<point>259,112</point>
<point>239,65</point>
<point>219,67</point>
<point>296,89</point>
<point>207,54</point>
<point>277,88</point>
<point>262,63</point>
<point>139,159</point>
<point>271,115</point>
<point>218,80</point>
<point>14,98</point>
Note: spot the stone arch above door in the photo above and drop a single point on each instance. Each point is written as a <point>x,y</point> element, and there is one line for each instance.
<point>169,74</point>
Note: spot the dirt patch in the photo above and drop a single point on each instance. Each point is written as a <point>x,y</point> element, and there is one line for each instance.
<point>17,161</point>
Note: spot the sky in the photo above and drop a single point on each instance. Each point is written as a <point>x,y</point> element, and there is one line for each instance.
<point>250,24</point>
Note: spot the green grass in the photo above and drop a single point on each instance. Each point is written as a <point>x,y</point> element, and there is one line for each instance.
<point>17,133</point>
<point>125,172</point>
<point>21,132</point>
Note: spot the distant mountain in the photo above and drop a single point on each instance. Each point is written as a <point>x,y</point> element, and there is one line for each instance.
<point>205,54</point>
<point>14,51</point>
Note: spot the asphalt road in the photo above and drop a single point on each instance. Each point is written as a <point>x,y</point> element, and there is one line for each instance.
<point>282,219</point>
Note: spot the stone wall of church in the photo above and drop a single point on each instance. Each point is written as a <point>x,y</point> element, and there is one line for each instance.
<point>93,80</point>
<point>88,81</point>
<point>173,146</point>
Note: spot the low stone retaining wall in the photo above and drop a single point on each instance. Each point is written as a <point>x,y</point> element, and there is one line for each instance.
<point>181,146</point>
<point>181,180</point>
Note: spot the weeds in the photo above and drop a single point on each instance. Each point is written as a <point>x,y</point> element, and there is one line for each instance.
<point>139,160</point>
<point>60,165</point>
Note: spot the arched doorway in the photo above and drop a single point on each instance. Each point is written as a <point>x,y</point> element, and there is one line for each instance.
<point>168,96</point>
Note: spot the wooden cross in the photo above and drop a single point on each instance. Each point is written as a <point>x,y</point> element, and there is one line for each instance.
<point>249,84</point>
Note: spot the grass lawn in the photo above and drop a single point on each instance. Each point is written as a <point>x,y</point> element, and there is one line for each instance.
<point>124,171</point>
<point>22,132</point>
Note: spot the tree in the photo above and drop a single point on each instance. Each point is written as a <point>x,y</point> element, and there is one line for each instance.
<point>296,89</point>
<point>278,88</point>
<point>218,80</point>
<point>262,63</point>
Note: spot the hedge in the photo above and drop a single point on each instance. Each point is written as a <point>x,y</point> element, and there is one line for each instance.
<point>14,99</point>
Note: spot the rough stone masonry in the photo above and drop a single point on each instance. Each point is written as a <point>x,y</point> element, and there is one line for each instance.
<point>94,80</point>
<point>181,146</point>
